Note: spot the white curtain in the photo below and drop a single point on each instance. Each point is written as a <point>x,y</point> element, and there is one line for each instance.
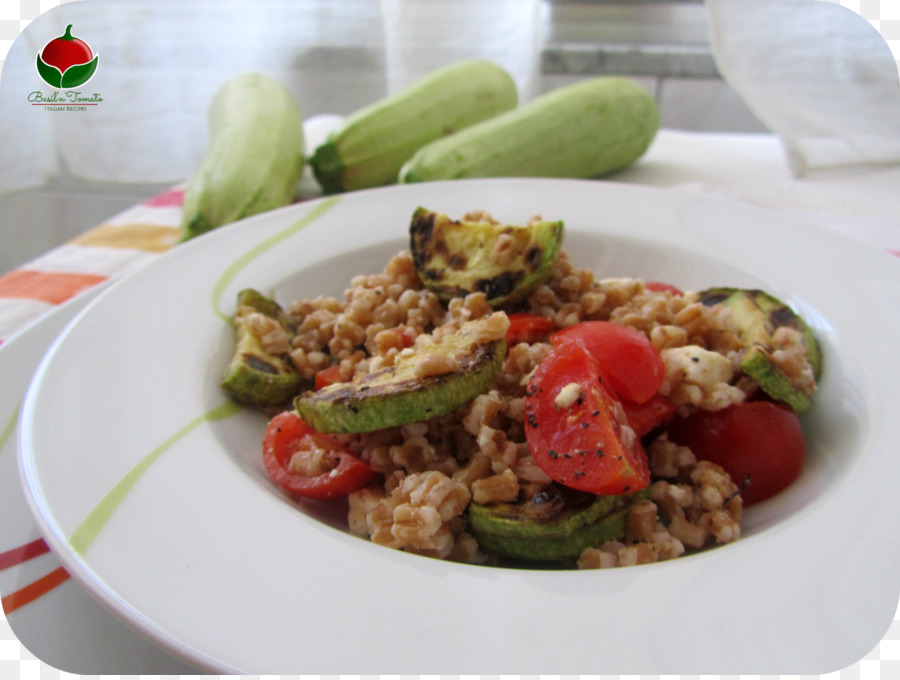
<point>815,73</point>
<point>161,61</point>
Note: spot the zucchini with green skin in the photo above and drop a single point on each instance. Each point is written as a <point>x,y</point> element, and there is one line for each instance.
<point>779,314</point>
<point>579,131</point>
<point>255,155</point>
<point>505,262</point>
<point>758,315</point>
<point>254,375</point>
<point>557,524</point>
<point>411,390</point>
<point>370,147</point>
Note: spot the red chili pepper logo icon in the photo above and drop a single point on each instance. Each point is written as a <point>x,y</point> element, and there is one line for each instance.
<point>66,61</point>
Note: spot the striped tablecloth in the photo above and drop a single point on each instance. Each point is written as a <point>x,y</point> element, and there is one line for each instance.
<point>115,247</point>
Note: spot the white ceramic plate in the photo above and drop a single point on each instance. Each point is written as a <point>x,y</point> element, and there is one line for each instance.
<point>151,489</point>
<point>64,627</point>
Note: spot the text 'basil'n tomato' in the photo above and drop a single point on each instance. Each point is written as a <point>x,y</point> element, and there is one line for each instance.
<point>577,426</point>
<point>308,463</point>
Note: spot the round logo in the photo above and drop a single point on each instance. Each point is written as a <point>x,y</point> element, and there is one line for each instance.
<point>66,62</point>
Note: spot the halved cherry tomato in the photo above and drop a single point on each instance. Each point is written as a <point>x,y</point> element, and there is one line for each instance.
<point>328,376</point>
<point>644,418</point>
<point>628,361</point>
<point>573,427</point>
<point>338,472</point>
<point>527,327</point>
<point>660,287</point>
<point>756,441</point>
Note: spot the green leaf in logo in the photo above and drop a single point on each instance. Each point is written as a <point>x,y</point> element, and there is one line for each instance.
<point>78,74</point>
<point>50,74</point>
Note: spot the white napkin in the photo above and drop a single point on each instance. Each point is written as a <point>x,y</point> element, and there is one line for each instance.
<point>817,74</point>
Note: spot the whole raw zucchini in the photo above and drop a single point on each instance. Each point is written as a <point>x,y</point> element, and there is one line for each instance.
<point>255,155</point>
<point>370,147</point>
<point>583,130</point>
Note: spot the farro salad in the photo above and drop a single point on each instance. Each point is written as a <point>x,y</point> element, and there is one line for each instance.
<point>484,400</point>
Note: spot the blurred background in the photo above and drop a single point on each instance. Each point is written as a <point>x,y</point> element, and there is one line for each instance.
<point>162,60</point>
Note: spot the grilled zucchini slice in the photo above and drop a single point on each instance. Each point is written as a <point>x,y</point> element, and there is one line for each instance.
<point>557,524</point>
<point>427,380</point>
<point>255,376</point>
<point>758,316</point>
<point>505,262</point>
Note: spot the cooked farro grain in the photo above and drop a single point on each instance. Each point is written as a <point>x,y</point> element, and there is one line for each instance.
<point>430,471</point>
<point>417,515</point>
<point>692,505</point>
<point>273,337</point>
<point>499,488</point>
<point>789,356</point>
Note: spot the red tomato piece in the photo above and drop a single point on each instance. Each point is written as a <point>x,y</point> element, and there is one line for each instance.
<point>660,287</point>
<point>628,361</point>
<point>644,418</point>
<point>758,442</point>
<point>574,427</point>
<point>328,376</point>
<point>337,473</point>
<point>527,327</point>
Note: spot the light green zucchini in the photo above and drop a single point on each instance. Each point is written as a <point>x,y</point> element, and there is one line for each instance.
<point>758,315</point>
<point>556,525</point>
<point>255,155</point>
<point>455,257</point>
<point>397,394</point>
<point>254,375</point>
<point>370,147</point>
<point>579,131</point>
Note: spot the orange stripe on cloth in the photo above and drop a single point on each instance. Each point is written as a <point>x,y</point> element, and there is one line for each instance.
<point>52,287</point>
<point>34,590</point>
<point>154,238</point>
